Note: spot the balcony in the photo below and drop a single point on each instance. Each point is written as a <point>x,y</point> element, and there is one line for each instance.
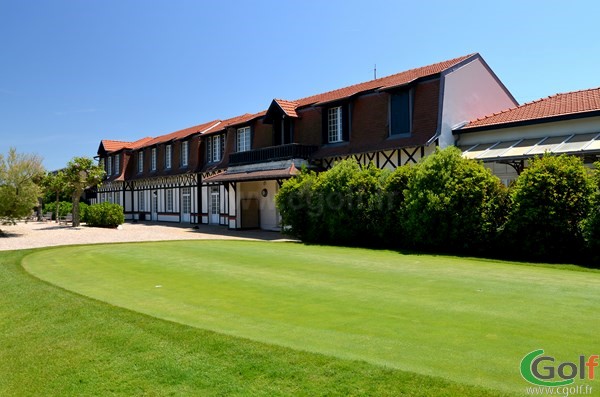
<point>273,153</point>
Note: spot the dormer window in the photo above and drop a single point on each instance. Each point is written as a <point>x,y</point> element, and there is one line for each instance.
<point>168,156</point>
<point>184,153</point>
<point>243,139</point>
<point>401,106</point>
<point>153,159</point>
<point>109,165</point>
<point>215,146</point>
<point>117,164</point>
<point>140,162</point>
<point>334,124</point>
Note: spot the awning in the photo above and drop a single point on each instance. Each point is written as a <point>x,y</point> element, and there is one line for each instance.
<point>529,147</point>
<point>252,175</point>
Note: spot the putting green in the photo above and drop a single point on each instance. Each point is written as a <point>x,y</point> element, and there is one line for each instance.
<point>467,320</point>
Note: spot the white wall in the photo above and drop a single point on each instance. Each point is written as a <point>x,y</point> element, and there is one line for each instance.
<point>470,92</point>
<point>557,128</point>
<point>269,216</point>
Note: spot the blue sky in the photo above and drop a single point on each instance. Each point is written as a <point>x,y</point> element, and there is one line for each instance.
<point>75,72</point>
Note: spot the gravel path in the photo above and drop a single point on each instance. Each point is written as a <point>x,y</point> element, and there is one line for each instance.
<point>49,234</point>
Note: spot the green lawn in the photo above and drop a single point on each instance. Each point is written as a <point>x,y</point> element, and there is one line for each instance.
<point>465,320</point>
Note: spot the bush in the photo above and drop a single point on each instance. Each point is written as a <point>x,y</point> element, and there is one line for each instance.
<point>83,207</point>
<point>453,204</point>
<point>550,199</point>
<point>340,206</point>
<point>591,226</point>
<point>64,207</point>
<point>294,202</point>
<point>392,230</point>
<point>104,215</point>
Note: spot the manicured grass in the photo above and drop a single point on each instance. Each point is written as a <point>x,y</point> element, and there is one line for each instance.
<point>56,343</point>
<point>466,320</point>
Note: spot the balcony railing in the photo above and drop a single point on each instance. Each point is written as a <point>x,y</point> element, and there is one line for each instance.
<point>273,153</point>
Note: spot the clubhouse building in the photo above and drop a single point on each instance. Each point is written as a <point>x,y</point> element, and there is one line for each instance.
<point>227,172</point>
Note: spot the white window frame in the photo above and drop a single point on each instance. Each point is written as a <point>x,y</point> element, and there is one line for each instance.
<point>334,125</point>
<point>169,200</point>
<point>216,148</point>
<point>184,153</point>
<point>117,164</point>
<point>109,165</point>
<point>153,159</point>
<point>168,156</point>
<point>141,201</point>
<point>243,141</point>
<point>140,162</point>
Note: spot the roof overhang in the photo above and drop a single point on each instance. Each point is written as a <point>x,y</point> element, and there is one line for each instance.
<point>576,144</point>
<point>261,175</point>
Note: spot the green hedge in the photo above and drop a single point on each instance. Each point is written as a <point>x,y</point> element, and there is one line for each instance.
<point>104,215</point>
<point>65,208</point>
<point>450,204</point>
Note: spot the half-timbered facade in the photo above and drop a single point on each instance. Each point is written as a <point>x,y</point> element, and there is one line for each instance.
<point>227,172</point>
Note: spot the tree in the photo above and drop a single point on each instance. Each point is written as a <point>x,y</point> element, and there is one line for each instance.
<point>81,172</point>
<point>550,199</point>
<point>19,189</point>
<point>55,183</point>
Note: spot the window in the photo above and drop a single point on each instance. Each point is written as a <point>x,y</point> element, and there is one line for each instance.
<point>140,162</point>
<point>153,159</point>
<point>109,166</point>
<point>169,200</point>
<point>334,124</point>
<point>243,139</point>
<point>214,148</point>
<point>168,155</point>
<point>184,153</point>
<point>117,164</point>
<point>400,113</point>
<point>118,198</point>
<point>141,202</point>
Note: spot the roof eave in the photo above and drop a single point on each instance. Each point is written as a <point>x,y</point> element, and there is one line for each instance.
<point>520,123</point>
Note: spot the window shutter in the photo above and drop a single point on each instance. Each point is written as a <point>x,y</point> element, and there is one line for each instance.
<point>345,122</point>
<point>209,149</point>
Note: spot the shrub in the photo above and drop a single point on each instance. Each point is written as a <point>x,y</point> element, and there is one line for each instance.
<point>591,226</point>
<point>453,204</point>
<point>392,230</point>
<point>83,207</point>
<point>64,208</point>
<point>340,206</point>
<point>294,202</point>
<point>346,208</point>
<point>550,199</point>
<point>105,215</point>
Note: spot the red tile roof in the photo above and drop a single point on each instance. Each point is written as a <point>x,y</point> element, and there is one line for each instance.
<point>564,104</point>
<point>113,146</point>
<point>181,134</point>
<point>288,107</point>
<point>223,125</point>
<point>394,80</point>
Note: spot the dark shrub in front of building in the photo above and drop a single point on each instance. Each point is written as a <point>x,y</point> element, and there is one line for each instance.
<point>104,215</point>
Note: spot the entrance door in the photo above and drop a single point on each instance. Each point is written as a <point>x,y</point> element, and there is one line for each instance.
<point>214,207</point>
<point>186,204</point>
<point>154,206</point>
